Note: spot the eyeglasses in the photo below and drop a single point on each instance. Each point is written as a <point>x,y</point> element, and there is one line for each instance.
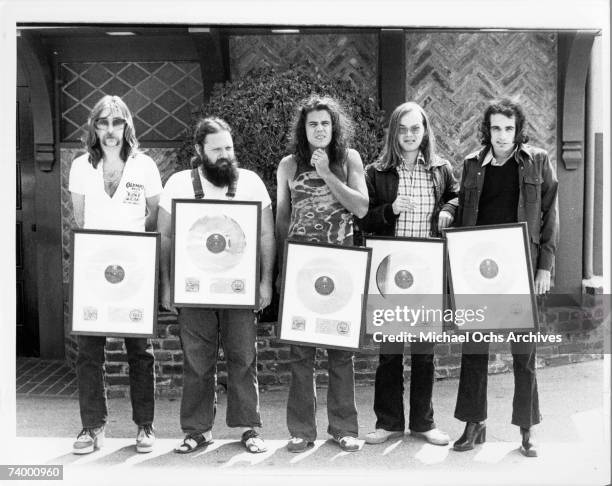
<point>104,123</point>
<point>415,130</point>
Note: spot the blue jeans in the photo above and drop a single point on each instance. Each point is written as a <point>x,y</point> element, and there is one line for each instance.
<point>91,380</point>
<point>472,394</point>
<point>389,387</point>
<point>302,403</point>
<point>200,328</point>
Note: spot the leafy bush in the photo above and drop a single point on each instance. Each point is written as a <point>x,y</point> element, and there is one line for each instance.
<point>260,108</point>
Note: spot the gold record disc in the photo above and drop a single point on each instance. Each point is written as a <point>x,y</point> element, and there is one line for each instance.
<point>487,269</point>
<point>324,286</point>
<point>215,243</point>
<point>401,273</point>
<point>114,274</point>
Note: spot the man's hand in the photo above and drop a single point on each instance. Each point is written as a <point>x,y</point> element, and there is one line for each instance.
<point>265,294</point>
<point>165,299</point>
<point>320,162</point>
<point>445,219</point>
<point>402,203</point>
<point>542,281</point>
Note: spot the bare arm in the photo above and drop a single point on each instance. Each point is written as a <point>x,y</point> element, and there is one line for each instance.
<point>268,251</point>
<point>164,226</point>
<point>354,195</point>
<point>78,208</point>
<point>286,170</point>
<point>151,220</point>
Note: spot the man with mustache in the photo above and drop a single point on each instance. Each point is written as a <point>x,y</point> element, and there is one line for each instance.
<point>114,186</point>
<point>216,176</point>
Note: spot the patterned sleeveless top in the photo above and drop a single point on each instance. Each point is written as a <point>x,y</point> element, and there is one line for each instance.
<point>316,215</point>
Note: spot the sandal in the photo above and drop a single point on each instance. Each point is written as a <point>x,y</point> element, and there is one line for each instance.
<point>253,442</point>
<point>191,443</point>
<point>297,444</point>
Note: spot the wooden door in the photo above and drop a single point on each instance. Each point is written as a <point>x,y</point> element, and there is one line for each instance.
<point>27,305</point>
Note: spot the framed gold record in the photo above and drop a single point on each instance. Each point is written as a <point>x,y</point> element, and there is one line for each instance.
<point>491,277</point>
<point>215,253</point>
<point>407,274</point>
<point>323,295</point>
<point>114,278</point>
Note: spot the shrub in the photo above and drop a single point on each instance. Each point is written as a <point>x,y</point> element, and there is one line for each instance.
<point>260,109</point>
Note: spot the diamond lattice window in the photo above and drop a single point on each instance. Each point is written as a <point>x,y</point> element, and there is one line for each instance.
<point>161,95</point>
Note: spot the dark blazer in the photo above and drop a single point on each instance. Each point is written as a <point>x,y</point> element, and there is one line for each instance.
<point>538,205</point>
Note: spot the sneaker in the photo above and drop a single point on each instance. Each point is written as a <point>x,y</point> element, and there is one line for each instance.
<point>349,443</point>
<point>433,436</point>
<point>88,440</point>
<point>381,435</point>
<point>297,444</point>
<point>145,438</point>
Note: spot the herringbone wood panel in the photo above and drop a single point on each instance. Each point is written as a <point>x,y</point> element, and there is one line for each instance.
<point>346,56</point>
<point>453,75</point>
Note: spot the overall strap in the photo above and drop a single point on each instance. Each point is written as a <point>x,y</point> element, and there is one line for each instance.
<point>198,191</point>
<point>231,189</point>
<point>197,183</point>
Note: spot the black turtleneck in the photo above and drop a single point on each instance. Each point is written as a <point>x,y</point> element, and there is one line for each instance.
<point>500,194</point>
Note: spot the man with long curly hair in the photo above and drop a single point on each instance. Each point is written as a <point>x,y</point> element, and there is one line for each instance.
<point>321,186</point>
<point>507,181</point>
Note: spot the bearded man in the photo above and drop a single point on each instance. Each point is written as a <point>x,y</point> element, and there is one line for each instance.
<point>216,176</point>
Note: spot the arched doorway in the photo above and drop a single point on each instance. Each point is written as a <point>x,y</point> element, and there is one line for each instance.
<point>40,302</point>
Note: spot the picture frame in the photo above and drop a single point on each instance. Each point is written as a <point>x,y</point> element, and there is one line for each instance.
<point>323,295</point>
<point>114,276</point>
<point>406,274</point>
<point>215,253</point>
<point>490,273</point>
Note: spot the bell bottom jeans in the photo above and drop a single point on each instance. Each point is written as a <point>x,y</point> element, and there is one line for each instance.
<point>389,387</point>
<point>302,402</point>
<point>472,395</point>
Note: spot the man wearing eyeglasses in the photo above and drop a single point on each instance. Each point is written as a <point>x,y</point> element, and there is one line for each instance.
<point>413,194</point>
<point>114,186</point>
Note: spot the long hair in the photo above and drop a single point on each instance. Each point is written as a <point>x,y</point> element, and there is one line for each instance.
<point>342,130</point>
<point>509,108</point>
<point>204,127</point>
<point>92,142</point>
<point>391,155</point>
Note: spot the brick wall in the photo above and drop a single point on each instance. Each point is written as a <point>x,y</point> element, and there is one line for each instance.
<point>582,329</point>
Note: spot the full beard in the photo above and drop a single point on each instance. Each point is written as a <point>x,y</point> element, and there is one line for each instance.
<point>223,172</point>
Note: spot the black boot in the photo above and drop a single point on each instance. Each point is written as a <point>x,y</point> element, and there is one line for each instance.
<point>529,447</point>
<point>474,433</point>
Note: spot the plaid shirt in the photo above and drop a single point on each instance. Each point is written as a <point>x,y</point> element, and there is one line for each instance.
<point>417,184</point>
